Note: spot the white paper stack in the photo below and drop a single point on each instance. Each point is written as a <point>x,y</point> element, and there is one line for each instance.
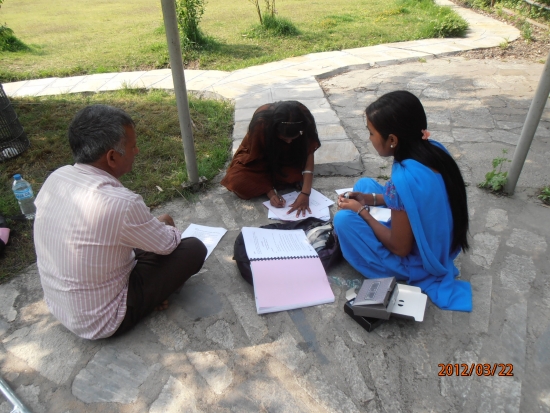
<point>318,203</point>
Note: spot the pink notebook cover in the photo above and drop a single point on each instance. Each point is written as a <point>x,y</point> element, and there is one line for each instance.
<point>4,234</point>
<point>290,283</point>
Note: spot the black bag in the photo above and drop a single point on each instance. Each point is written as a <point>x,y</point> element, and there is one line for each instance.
<point>320,234</point>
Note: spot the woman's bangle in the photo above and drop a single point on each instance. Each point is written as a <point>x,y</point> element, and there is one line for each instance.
<point>307,172</point>
<point>305,194</point>
<point>373,199</point>
<point>363,208</point>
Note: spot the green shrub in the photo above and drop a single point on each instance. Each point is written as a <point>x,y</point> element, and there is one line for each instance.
<point>545,195</point>
<point>526,31</point>
<point>449,24</point>
<point>279,26</point>
<point>496,179</point>
<point>478,4</point>
<point>270,25</point>
<point>189,14</point>
<point>444,21</point>
<point>8,41</point>
<point>273,26</point>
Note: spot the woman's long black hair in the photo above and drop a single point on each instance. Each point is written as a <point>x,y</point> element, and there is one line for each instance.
<point>287,119</point>
<point>400,113</point>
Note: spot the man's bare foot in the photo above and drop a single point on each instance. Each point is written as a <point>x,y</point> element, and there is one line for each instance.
<point>162,306</point>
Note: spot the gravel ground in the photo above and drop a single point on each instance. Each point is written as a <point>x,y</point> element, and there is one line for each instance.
<point>535,49</point>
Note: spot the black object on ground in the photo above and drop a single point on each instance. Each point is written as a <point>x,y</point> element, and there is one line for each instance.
<point>329,255</point>
<point>368,323</point>
<point>13,140</point>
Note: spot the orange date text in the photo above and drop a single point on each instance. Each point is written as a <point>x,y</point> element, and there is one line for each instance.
<point>478,369</point>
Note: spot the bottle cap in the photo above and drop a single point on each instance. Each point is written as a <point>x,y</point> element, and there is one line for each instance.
<point>17,177</point>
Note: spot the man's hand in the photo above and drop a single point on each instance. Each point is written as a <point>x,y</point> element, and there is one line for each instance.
<point>167,219</point>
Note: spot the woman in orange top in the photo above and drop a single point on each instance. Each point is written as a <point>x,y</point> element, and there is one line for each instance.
<point>276,152</point>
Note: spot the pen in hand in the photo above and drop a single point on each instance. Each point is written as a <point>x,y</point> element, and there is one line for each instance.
<point>280,198</point>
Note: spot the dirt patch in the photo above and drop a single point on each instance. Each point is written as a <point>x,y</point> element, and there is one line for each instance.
<point>535,49</point>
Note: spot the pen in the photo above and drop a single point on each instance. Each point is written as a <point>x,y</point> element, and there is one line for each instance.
<point>276,193</point>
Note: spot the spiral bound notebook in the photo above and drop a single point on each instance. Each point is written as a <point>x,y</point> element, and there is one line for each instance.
<point>287,271</point>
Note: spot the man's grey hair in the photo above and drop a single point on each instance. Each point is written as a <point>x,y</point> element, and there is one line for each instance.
<point>95,130</point>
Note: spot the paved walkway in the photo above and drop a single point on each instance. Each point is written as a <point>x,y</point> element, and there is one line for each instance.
<point>211,352</point>
<point>294,78</point>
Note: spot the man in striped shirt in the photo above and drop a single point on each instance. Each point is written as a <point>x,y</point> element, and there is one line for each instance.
<point>104,261</point>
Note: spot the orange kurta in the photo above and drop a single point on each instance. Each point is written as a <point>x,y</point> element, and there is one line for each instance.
<point>248,174</point>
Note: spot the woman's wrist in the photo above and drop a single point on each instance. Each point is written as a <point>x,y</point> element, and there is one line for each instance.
<point>363,208</point>
<point>306,189</point>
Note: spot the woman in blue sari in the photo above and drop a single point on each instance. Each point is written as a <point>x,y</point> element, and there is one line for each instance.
<point>429,210</point>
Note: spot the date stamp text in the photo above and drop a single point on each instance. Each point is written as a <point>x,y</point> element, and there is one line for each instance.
<point>478,369</point>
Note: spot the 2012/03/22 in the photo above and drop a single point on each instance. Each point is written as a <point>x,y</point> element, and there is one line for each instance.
<point>479,369</point>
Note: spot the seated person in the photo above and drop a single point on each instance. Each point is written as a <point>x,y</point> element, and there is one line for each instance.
<point>429,211</point>
<point>104,261</point>
<point>276,152</point>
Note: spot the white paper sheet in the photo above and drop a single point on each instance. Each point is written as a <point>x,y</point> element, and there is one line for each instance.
<point>341,191</point>
<point>318,203</point>
<point>210,236</point>
<point>323,214</point>
<point>379,213</point>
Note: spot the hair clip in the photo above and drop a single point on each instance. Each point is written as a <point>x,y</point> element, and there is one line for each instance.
<point>301,132</point>
<point>291,123</point>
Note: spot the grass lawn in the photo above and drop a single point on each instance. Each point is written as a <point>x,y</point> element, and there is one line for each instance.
<point>160,163</point>
<point>104,36</point>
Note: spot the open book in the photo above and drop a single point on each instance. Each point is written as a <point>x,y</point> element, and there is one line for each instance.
<point>286,269</point>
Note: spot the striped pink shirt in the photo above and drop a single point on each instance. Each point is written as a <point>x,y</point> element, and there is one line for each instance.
<point>86,227</point>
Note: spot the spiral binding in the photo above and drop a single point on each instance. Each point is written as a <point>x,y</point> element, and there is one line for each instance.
<point>284,258</point>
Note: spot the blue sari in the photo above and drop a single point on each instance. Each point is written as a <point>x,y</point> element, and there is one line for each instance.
<point>421,192</point>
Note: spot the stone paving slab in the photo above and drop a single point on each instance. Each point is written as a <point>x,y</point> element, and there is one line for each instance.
<point>92,83</point>
<point>33,87</point>
<point>11,88</point>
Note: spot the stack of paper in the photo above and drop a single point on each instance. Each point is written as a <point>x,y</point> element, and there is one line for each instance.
<point>318,203</point>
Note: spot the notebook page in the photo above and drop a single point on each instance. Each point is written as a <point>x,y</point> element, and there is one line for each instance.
<point>263,243</point>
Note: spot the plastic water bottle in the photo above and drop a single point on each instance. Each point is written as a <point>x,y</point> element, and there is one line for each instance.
<point>23,192</point>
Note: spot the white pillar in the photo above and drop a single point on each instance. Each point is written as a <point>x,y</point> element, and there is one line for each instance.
<point>176,63</point>
<point>529,128</point>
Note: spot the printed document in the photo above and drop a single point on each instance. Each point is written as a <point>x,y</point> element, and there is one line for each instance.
<point>210,236</point>
<point>261,243</point>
